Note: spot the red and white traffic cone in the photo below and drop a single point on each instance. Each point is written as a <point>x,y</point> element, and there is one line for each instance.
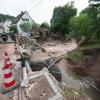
<point>9,81</point>
<point>7,60</point>
<point>15,49</point>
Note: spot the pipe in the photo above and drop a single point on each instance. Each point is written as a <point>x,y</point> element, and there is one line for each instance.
<point>25,80</point>
<point>27,65</point>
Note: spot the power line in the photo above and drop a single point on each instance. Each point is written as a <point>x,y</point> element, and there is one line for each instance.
<point>36,5</point>
<point>24,4</point>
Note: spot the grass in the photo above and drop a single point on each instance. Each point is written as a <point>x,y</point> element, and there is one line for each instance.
<point>75,56</point>
<point>88,47</point>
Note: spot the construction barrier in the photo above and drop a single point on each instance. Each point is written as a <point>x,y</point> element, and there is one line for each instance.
<point>15,49</point>
<point>9,82</point>
<point>7,60</point>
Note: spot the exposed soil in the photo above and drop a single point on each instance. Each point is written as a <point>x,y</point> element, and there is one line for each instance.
<point>75,80</point>
<point>90,67</point>
<point>93,66</point>
<point>41,89</point>
<point>55,49</point>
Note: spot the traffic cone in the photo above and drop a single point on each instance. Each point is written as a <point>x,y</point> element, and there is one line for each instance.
<point>7,60</point>
<point>9,82</point>
<point>15,49</point>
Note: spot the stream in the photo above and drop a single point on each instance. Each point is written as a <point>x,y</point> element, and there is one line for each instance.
<point>64,74</point>
<point>77,82</point>
<point>59,71</point>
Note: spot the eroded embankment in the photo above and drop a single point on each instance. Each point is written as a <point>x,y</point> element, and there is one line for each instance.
<point>90,66</point>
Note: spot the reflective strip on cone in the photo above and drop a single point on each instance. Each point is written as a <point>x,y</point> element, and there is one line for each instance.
<point>6,71</point>
<point>7,60</point>
<point>6,67</point>
<point>10,85</point>
<point>10,65</point>
<point>7,75</point>
<point>8,80</point>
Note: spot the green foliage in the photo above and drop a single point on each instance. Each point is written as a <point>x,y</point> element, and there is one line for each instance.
<point>94,0</point>
<point>13,29</point>
<point>34,25</point>
<point>4,17</point>
<point>26,26</point>
<point>75,56</point>
<point>93,12</point>
<point>4,36</point>
<point>81,26</point>
<point>89,46</point>
<point>45,25</point>
<point>61,17</point>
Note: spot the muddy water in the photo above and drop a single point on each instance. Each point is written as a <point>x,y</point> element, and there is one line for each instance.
<point>68,76</point>
<point>77,82</point>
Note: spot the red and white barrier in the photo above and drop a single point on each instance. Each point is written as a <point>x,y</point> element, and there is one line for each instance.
<point>9,81</point>
<point>7,60</point>
<point>15,49</point>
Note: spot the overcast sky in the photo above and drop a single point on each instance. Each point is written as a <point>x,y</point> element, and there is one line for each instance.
<point>39,10</point>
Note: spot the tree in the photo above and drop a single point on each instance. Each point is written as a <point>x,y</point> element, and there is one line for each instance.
<point>44,25</point>
<point>93,11</point>
<point>26,26</point>
<point>61,17</point>
<point>81,26</point>
<point>4,17</point>
<point>94,0</point>
<point>13,29</point>
<point>34,24</point>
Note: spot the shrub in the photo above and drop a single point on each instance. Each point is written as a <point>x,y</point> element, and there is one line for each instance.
<point>75,56</point>
<point>4,36</point>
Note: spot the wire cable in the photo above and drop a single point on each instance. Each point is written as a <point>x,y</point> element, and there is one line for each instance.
<point>37,4</point>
